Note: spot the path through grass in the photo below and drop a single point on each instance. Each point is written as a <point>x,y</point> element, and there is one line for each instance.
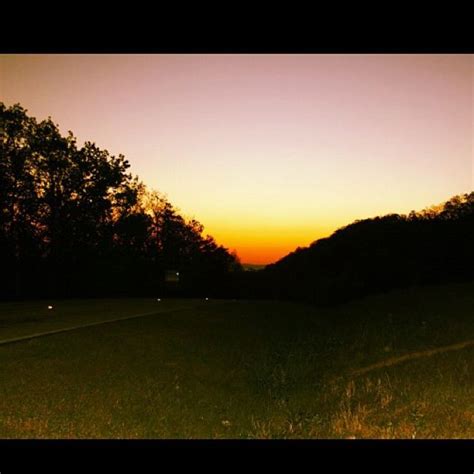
<point>245,369</point>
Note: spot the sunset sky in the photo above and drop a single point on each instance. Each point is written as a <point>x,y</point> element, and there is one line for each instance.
<point>268,152</point>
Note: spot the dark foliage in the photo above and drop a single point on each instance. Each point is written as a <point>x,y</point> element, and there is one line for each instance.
<point>376,255</point>
<point>74,222</point>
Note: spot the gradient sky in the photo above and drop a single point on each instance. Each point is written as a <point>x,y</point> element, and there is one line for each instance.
<point>268,152</point>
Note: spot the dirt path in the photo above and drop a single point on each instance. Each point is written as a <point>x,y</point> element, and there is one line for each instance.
<point>411,356</point>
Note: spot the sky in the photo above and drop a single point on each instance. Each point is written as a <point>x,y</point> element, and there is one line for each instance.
<point>268,152</point>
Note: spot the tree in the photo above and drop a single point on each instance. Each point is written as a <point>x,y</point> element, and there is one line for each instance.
<point>75,221</point>
<point>19,232</point>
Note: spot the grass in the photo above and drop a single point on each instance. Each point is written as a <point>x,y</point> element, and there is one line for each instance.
<point>241,369</point>
<point>23,319</point>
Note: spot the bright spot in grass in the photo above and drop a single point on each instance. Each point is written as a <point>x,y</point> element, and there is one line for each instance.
<point>207,299</point>
<point>50,307</point>
<point>158,299</point>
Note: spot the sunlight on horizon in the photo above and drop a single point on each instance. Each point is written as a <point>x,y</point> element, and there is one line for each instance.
<point>268,152</point>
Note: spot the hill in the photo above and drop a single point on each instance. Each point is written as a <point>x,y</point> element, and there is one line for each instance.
<point>374,255</point>
<point>250,267</point>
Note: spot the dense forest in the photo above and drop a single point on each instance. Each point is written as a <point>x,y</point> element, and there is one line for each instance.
<point>433,246</point>
<point>75,222</point>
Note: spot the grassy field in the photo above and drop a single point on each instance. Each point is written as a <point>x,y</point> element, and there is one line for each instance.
<point>240,369</point>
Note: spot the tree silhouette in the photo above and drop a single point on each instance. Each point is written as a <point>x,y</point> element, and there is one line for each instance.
<point>74,221</point>
<point>372,255</point>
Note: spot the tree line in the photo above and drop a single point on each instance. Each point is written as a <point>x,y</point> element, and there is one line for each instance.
<point>75,222</point>
<point>374,255</point>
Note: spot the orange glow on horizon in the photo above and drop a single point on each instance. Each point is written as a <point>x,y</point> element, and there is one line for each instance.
<point>264,249</point>
<point>268,152</point>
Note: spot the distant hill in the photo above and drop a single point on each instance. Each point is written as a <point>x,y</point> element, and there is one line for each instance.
<point>433,246</point>
<point>252,267</point>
